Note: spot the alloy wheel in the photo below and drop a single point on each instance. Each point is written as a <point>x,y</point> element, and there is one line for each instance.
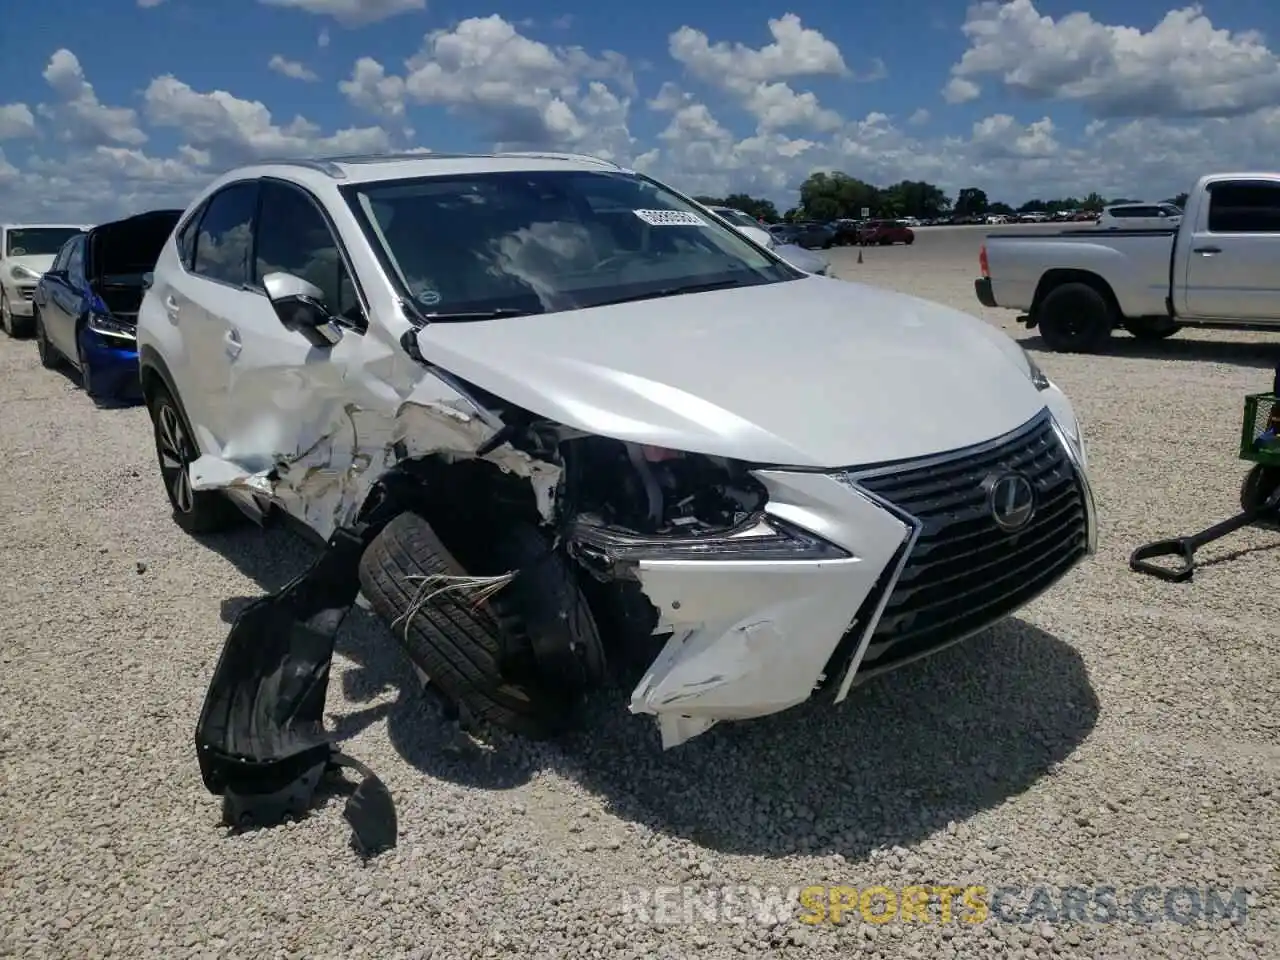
<point>175,457</point>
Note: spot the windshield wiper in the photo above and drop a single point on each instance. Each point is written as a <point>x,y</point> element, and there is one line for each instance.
<point>676,291</point>
<point>495,314</point>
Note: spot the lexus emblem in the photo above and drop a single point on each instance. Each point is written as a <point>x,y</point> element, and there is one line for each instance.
<point>1011,499</point>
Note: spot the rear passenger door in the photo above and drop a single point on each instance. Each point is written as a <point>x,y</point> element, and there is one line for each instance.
<point>1229,258</point>
<point>205,300</point>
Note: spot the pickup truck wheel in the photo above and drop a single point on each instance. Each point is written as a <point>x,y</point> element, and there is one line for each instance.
<point>1151,328</point>
<point>1075,318</point>
<point>458,644</point>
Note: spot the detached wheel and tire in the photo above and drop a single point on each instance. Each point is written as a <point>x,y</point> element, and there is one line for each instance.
<point>1075,318</point>
<point>480,656</point>
<point>195,511</point>
<point>1151,328</point>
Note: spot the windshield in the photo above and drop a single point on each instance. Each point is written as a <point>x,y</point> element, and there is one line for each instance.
<point>37,241</point>
<point>466,247</point>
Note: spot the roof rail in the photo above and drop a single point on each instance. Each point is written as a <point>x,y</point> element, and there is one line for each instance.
<point>324,166</point>
<point>548,155</point>
<point>392,157</point>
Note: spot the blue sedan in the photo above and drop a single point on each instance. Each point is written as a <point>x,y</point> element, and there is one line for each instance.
<point>86,305</point>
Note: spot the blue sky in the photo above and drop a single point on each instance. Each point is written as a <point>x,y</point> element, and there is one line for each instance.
<point>113,106</point>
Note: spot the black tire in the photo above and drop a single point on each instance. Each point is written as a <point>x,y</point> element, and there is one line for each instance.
<point>1259,484</point>
<point>909,241</point>
<point>86,374</point>
<point>1151,328</point>
<point>195,511</point>
<point>464,650</point>
<point>49,356</point>
<point>1075,318</point>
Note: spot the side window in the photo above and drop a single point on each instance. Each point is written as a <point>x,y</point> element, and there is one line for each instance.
<point>225,235</point>
<point>187,238</point>
<point>60,261</point>
<point>75,260</point>
<point>294,237</point>
<point>1244,208</point>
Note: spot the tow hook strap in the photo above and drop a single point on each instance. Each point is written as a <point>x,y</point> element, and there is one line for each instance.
<point>260,739</point>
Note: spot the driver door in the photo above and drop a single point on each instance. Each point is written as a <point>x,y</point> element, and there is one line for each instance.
<point>286,396</point>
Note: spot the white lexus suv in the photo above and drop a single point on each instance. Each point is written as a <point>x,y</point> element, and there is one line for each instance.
<point>620,440</point>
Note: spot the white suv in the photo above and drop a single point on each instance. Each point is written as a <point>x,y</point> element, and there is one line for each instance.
<point>1140,216</point>
<point>607,429</point>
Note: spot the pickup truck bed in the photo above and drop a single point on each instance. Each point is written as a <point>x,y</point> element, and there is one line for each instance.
<point>1216,269</point>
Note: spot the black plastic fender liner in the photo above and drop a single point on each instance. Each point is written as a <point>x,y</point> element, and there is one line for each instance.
<point>260,739</point>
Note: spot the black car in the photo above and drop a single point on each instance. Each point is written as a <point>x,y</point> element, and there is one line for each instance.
<point>809,234</point>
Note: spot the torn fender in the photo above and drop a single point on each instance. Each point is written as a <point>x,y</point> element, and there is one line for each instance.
<point>326,483</point>
<point>260,739</point>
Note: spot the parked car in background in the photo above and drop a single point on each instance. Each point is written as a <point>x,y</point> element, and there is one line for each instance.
<point>26,251</point>
<point>1216,269</point>
<point>86,305</point>
<point>811,235</point>
<point>846,232</point>
<point>797,256</point>
<point>1140,216</point>
<point>885,232</point>
<point>496,401</point>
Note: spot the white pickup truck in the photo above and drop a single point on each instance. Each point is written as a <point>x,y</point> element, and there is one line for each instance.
<point>1220,267</point>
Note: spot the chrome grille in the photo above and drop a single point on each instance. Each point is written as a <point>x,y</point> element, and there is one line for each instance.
<point>965,572</point>
<point>27,293</point>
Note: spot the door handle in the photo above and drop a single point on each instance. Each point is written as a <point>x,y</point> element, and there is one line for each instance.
<point>1206,251</point>
<point>171,307</point>
<point>231,343</point>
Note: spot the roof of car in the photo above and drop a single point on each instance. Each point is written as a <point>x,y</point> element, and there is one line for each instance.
<point>370,168</point>
<point>40,226</point>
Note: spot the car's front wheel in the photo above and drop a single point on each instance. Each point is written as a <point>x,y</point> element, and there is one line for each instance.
<point>195,511</point>
<point>50,359</point>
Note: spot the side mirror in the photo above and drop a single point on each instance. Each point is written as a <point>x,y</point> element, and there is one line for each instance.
<point>300,306</point>
<point>56,274</point>
<point>148,279</point>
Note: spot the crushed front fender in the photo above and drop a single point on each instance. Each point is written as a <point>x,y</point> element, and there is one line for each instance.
<point>260,739</point>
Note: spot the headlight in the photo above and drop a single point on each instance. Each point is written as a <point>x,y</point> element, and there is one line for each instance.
<point>20,272</point>
<point>761,538</point>
<point>1037,375</point>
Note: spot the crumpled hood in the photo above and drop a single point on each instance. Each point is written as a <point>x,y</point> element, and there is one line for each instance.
<point>39,262</point>
<point>806,373</point>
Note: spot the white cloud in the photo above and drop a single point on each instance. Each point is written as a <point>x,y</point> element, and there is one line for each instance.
<point>754,75</point>
<point>522,90</point>
<point>960,90</point>
<point>1182,67</point>
<point>81,118</point>
<point>919,118</point>
<point>291,68</point>
<point>353,13</point>
<point>235,130</point>
<point>16,120</point>
<point>149,3</point>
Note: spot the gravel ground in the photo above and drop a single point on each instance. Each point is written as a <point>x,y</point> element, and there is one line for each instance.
<point>1120,732</point>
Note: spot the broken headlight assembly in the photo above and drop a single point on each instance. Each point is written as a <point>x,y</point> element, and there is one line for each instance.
<point>612,552</point>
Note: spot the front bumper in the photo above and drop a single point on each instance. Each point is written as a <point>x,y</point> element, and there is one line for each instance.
<point>113,365</point>
<point>982,288</point>
<point>21,300</point>
<point>928,567</point>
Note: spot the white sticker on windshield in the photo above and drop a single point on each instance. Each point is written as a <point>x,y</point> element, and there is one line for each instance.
<point>670,218</point>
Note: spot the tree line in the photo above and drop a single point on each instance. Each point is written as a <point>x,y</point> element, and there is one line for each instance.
<point>837,196</point>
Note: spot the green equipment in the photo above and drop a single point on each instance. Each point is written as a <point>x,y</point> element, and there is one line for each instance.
<point>1259,494</point>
